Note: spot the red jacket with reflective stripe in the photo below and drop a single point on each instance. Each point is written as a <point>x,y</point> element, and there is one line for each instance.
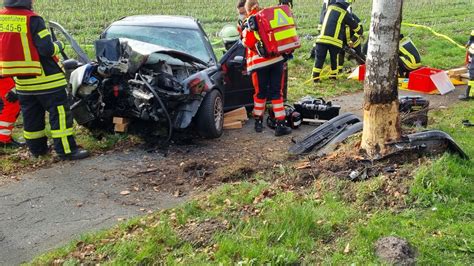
<point>255,61</point>
<point>18,54</point>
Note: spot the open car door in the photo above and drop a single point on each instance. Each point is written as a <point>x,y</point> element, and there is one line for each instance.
<point>57,28</point>
<point>238,84</point>
<point>239,89</point>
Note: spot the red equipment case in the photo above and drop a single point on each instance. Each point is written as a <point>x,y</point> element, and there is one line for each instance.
<point>420,80</point>
<point>277,30</point>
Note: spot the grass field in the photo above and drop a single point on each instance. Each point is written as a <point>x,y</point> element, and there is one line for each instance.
<point>87,18</point>
<point>316,224</point>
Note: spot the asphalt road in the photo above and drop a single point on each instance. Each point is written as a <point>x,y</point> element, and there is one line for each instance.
<point>50,207</point>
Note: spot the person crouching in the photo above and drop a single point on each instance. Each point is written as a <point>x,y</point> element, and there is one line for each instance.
<point>267,78</point>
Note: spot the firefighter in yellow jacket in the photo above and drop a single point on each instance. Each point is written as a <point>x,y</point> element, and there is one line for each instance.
<point>409,57</point>
<point>29,55</point>
<point>332,36</point>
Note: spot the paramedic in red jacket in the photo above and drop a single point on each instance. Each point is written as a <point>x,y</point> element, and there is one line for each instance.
<point>9,111</point>
<point>267,78</point>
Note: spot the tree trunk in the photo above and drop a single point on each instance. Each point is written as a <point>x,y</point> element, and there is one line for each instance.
<point>381,115</point>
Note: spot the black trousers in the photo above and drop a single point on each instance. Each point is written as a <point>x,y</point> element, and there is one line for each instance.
<point>321,53</point>
<point>34,108</point>
<point>403,70</point>
<point>269,81</point>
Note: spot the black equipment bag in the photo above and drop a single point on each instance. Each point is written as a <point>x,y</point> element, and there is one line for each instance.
<point>316,108</point>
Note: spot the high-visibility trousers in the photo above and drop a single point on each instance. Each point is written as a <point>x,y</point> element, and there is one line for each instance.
<point>34,108</point>
<point>269,83</point>
<point>9,111</point>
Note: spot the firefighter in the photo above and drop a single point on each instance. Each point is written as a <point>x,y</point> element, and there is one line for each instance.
<point>230,35</point>
<point>40,82</point>
<point>9,111</point>
<point>469,95</point>
<point>331,38</point>
<point>267,78</point>
<point>409,57</point>
<point>242,14</point>
<point>324,9</point>
<point>352,44</point>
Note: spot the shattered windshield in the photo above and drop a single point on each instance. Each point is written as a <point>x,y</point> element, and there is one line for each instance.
<point>183,40</point>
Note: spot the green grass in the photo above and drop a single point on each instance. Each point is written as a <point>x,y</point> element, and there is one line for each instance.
<point>312,225</point>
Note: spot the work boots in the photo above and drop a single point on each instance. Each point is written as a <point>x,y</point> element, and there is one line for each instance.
<point>79,154</point>
<point>259,124</point>
<point>281,129</point>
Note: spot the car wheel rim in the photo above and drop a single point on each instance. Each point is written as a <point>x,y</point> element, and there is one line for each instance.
<point>218,113</point>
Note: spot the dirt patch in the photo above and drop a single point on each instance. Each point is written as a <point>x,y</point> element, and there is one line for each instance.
<point>201,234</point>
<point>395,251</point>
<point>203,164</point>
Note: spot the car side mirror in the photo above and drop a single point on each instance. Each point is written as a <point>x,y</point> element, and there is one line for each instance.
<point>238,61</point>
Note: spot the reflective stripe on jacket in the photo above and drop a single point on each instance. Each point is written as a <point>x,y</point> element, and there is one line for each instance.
<point>52,77</point>
<point>333,28</point>
<point>409,54</point>
<point>19,56</point>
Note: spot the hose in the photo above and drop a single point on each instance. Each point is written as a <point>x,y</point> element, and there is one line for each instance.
<point>170,123</point>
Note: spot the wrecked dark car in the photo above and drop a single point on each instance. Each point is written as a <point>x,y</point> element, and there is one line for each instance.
<point>158,71</point>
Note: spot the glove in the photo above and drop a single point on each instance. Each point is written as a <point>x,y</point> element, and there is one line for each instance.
<point>11,97</point>
<point>60,45</point>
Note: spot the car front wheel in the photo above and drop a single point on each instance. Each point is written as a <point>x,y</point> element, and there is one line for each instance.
<point>210,117</point>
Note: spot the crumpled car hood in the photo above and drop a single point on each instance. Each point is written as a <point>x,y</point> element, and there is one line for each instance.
<point>142,53</point>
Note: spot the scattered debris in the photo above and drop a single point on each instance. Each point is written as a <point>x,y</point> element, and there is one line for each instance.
<point>467,123</point>
<point>267,193</point>
<point>322,135</point>
<point>396,251</point>
<point>347,250</point>
<point>303,165</point>
<point>125,193</point>
<point>414,111</point>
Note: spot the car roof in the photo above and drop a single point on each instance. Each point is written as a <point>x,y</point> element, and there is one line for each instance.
<point>159,21</point>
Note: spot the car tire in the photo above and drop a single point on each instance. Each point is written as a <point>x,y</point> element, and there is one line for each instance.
<point>210,117</point>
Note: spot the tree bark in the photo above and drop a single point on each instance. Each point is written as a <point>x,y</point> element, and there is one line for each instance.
<point>381,115</point>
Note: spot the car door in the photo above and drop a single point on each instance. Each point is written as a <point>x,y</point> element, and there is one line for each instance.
<point>237,82</point>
